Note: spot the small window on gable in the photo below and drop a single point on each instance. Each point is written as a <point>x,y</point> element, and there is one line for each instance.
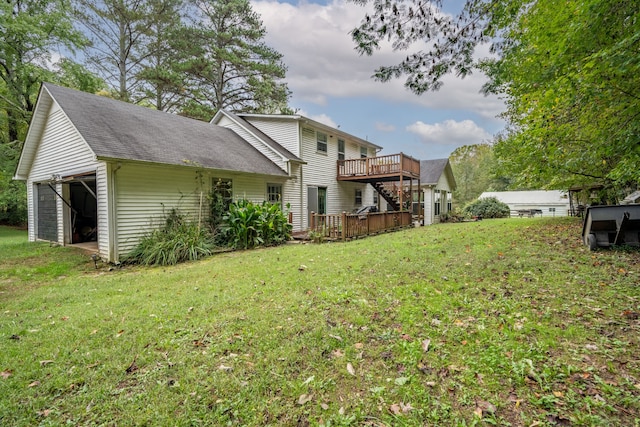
<point>274,194</point>
<point>364,152</point>
<point>341,149</point>
<point>321,142</point>
<point>358,197</point>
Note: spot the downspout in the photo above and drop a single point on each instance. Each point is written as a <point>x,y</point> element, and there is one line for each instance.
<point>111,199</point>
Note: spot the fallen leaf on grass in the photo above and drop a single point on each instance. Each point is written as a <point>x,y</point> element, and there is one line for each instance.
<point>120,332</point>
<point>5,374</point>
<point>225,368</point>
<point>358,345</point>
<point>302,267</point>
<point>304,398</point>
<point>631,315</point>
<point>483,407</point>
<point>400,408</point>
<point>350,369</point>
<point>336,337</point>
<point>558,394</point>
<point>34,384</point>
<point>401,381</point>
<point>44,413</point>
<point>337,353</point>
<point>45,362</point>
<point>425,345</point>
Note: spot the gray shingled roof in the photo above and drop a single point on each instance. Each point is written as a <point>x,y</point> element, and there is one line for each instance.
<point>431,170</point>
<point>118,130</point>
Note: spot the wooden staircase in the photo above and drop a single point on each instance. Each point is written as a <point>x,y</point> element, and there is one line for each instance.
<point>390,192</point>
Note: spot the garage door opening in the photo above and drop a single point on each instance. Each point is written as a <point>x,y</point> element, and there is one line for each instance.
<point>83,205</point>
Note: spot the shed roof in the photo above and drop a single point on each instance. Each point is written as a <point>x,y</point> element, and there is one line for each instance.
<point>121,131</point>
<point>533,196</point>
<point>432,170</point>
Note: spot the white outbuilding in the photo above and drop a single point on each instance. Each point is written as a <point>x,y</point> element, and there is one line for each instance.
<point>533,203</point>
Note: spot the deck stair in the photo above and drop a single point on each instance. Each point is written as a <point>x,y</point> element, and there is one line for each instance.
<point>389,191</point>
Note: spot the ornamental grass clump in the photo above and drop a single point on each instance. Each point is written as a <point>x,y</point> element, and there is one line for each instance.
<point>179,240</point>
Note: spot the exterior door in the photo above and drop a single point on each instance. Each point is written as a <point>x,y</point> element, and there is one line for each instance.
<point>316,201</point>
<point>47,213</point>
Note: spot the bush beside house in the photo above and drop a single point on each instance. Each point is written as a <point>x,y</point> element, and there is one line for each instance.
<point>489,207</point>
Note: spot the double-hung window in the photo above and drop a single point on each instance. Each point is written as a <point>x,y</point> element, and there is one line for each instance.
<point>358,197</point>
<point>341,149</point>
<point>321,142</point>
<point>364,152</point>
<point>274,194</point>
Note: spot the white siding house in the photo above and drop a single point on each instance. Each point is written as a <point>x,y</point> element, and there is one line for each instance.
<point>551,203</point>
<point>315,188</point>
<point>104,172</point>
<point>437,182</point>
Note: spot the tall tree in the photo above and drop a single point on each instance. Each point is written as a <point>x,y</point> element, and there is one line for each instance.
<point>231,67</point>
<point>572,73</point>
<point>569,70</point>
<point>117,29</point>
<point>31,32</point>
<point>161,76</point>
<point>474,167</point>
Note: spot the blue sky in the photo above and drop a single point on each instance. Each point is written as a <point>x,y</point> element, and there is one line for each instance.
<point>331,83</point>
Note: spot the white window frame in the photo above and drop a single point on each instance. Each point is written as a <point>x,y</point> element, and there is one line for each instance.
<point>322,142</point>
<point>364,152</point>
<point>341,148</point>
<point>274,193</point>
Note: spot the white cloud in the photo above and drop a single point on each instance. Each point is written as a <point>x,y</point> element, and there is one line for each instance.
<point>449,132</point>
<point>321,118</point>
<point>322,61</point>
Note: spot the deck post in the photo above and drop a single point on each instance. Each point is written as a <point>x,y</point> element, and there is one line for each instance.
<point>312,222</point>
<point>343,220</point>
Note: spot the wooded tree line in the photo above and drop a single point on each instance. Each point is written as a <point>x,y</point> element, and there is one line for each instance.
<point>568,70</point>
<point>190,57</point>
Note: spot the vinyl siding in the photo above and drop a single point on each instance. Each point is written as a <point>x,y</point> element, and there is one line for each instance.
<point>283,131</point>
<point>146,193</point>
<point>428,206</point>
<point>257,144</point>
<point>321,169</point>
<point>292,190</point>
<point>62,151</point>
<point>103,210</point>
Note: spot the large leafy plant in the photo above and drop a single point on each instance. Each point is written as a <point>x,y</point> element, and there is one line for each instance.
<point>247,225</point>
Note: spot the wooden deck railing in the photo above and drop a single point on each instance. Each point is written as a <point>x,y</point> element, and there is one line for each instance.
<point>393,164</point>
<point>347,226</point>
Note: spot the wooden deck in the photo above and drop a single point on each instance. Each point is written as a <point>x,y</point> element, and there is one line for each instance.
<point>392,167</point>
<point>346,226</point>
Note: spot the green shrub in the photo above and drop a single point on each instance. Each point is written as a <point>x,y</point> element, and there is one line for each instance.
<point>489,207</point>
<point>178,240</point>
<point>247,225</point>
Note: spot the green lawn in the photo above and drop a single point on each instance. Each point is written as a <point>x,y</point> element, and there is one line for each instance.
<point>497,322</point>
